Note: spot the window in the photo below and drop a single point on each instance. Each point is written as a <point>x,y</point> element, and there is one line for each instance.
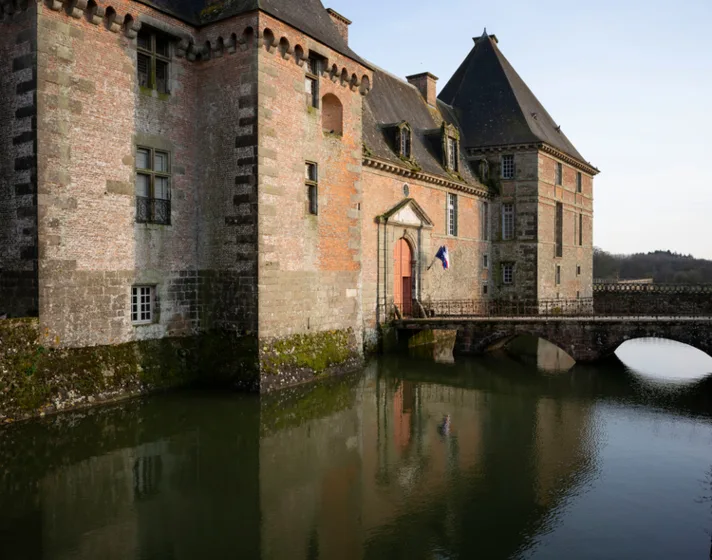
<point>153,189</point>
<point>558,274</point>
<point>404,141</point>
<point>142,302</point>
<point>578,270</point>
<point>508,167</point>
<point>579,182</point>
<point>507,221</point>
<point>578,295</point>
<point>152,60</point>
<point>507,273</point>
<point>559,174</point>
<point>312,183</point>
<point>452,154</point>
<point>559,230</point>
<point>484,220</point>
<point>485,261</point>
<point>452,214</point>
<point>580,230</point>
<point>485,289</point>
<point>311,80</point>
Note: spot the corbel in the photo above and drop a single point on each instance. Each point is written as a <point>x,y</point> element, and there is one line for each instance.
<point>116,25</point>
<point>96,16</point>
<point>288,52</point>
<point>54,5</point>
<point>231,46</point>
<point>77,8</point>
<point>132,28</point>
<point>354,84</point>
<point>182,48</point>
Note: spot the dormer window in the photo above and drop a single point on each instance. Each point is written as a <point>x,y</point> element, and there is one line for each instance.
<point>405,141</point>
<point>451,148</point>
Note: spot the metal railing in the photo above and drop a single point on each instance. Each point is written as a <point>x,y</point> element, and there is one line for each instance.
<point>649,305</point>
<point>153,210</point>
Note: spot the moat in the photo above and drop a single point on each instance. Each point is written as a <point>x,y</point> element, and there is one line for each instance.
<point>495,457</point>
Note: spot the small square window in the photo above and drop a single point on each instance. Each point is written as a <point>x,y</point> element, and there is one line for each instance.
<point>559,174</point>
<point>485,289</point>
<point>142,304</point>
<point>508,167</point>
<point>507,273</point>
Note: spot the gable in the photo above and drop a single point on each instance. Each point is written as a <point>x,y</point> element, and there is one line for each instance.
<point>408,213</point>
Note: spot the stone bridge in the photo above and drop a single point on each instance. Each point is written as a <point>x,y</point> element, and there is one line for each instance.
<point>587,329</point>
<point>585,339</point>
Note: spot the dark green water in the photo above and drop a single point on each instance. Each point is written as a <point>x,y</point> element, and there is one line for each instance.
<point>598,462</point>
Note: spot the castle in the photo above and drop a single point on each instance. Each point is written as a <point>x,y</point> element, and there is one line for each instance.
<point>173,167</point>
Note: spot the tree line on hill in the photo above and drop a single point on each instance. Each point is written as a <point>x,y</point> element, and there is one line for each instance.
<point>664,267</point>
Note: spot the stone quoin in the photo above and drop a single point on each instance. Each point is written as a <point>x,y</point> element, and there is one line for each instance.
<point>173,169</point>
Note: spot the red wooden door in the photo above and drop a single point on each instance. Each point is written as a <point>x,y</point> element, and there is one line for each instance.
<point>402,282</point>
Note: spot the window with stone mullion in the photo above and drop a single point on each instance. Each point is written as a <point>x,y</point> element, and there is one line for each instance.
<point>152,61</point>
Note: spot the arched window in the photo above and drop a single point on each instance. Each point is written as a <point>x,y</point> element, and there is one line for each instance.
<point>332,114</point>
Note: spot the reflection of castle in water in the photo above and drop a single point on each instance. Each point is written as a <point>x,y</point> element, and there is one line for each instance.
<point>385,472</point>
<point>363,468</point>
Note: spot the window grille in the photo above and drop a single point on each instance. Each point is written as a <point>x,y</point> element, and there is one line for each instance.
<point>508,273</point>
<point>142,303</point>
<point>507,221</point>
<point>452,214</point>
<point>508,167</point>
<point>153,189</point>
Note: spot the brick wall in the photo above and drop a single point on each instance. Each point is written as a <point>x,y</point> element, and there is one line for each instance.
<point>463,280</point>
<point>18,160</point>
<point>309,266</point>
<point>573,255</point>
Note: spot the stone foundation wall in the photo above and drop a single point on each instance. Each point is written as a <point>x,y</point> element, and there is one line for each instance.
<point>18,160</point>
<point>35,379</point>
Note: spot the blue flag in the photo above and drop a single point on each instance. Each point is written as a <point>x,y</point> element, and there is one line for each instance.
<point>444,256</point>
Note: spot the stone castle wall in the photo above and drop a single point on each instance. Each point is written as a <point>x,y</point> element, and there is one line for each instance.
<point>309,265</point>
<point>18,160</point>
<point>92,115</point>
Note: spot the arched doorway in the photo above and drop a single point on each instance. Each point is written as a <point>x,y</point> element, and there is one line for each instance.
<point>403,277</point>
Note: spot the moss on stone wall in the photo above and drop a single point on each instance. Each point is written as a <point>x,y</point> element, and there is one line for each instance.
<point>34,379</point>
<point>315,352</point>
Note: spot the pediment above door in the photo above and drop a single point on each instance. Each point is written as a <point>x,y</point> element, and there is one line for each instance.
<point>407,213</point>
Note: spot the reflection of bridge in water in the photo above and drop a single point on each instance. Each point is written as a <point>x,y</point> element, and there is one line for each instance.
<point>357,468</point>
<point>587,329</point>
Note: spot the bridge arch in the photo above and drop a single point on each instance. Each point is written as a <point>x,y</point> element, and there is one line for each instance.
<point>690,341</point>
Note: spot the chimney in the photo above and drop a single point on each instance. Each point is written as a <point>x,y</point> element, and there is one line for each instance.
<point>425,83</point>
<point>342,24</point>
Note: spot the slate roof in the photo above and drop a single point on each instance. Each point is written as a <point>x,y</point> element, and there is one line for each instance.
<point>308,16</point>
<point>392,101</point>
<point>496,107</point>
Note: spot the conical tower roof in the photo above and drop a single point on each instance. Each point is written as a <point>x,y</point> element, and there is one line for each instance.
<point>495,106</point>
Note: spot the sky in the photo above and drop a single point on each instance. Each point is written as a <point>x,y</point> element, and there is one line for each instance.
<point>630,83</point>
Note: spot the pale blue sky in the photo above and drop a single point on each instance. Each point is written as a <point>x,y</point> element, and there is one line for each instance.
<point>629,81</point>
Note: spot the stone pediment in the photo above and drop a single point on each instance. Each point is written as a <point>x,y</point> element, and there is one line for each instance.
<point>407,213</point>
